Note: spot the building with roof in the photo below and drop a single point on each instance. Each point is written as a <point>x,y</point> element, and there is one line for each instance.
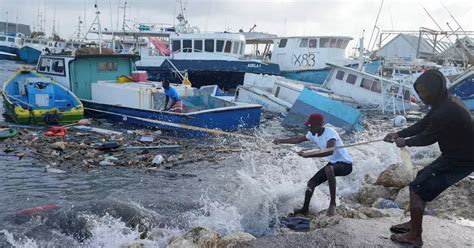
<point>410,47</point>
<point>11,27</point>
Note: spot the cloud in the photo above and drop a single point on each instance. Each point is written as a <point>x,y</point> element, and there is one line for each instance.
<point>282,17</point>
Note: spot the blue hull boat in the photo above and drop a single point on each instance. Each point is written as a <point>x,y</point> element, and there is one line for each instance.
<point>463,88</point>
<point>7,56</point>
<point>309,76</point>
<point>316,76</point>
<point>202,115</point>
<point>225,74</point>
<point>29,55</point>
<point>334,112</point>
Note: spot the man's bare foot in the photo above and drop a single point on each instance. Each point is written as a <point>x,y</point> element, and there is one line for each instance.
<point>302,211</point>
<point>407,239</point>
<point>401,228</point>
<point>331,210</point>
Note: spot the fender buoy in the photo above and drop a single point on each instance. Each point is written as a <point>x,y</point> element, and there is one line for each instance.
<point>39,209</point>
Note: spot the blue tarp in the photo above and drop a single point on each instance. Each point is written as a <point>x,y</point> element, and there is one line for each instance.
<point>300,224</point>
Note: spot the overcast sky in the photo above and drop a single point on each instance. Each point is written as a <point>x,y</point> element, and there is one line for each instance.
<point>281,17</point>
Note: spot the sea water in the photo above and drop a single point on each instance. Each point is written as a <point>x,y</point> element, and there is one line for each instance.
<point>245,191</point>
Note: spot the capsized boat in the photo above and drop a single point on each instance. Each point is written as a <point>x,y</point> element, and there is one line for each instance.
<point>30,98</point>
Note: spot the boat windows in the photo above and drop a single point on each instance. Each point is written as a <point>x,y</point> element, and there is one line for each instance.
<point>235,49</point>
<point>209,45</point>
<point>228,46</point>
<point>44,43</point>
<point>339,43</point>
<point>36,42</point>
<point>11,39</point>
<point>406,94</point>
<point>376,86</point>
<point>219,45</point>
<point>313,43</point>
<point>107,66</point>
<point>283,43</point>
<point>242,48</point>
<point>304,42</point>
<point>366,83</point>
<point>344,44</point>
<point>176,45</point>
<point>76,45</point>
<point>27,41</point>
<point>324,42</point>
<point>57,66</point>
<point>340,75</point>
<point>187,46</point>
<point>351,78</point>
<point>332,43</point>
<point>44,65</point>
<point>3,38</point>
<point>198,46</point>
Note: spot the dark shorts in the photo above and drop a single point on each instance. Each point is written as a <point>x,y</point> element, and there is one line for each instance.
<point>340,169</point>
<point>432,180</point>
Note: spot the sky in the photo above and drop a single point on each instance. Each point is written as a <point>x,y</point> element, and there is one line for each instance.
<point>281,17</point>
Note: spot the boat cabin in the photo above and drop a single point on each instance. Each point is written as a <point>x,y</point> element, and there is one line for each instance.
<point>10,42</point>
<point>201,46</point>
<point>309,52</point>
<point>79,72</point>
<point>35,42</point>
<point>369,89</point>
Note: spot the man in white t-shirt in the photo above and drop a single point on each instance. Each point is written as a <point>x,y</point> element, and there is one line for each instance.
<point>340,162</point>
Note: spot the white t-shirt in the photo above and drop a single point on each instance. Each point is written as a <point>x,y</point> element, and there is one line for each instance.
<point>340,154</point>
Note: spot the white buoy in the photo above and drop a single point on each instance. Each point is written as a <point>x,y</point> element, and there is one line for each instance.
<point>157,160</point>
<point>399,121</point>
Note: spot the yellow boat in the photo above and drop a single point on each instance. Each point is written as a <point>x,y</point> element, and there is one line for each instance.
<point>31,98</point>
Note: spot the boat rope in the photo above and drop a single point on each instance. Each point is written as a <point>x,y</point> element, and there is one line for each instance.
<point>176,125</point>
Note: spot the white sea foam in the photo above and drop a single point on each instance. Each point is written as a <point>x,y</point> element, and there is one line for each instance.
<point>19,242</point>
<point>273,180</point>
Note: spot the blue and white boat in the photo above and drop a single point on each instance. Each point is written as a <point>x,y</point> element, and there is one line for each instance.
<point>463,87</point>
<point>304,58</point>
<point>210,58</point>
<point>7,56</point>
<point>203,58</point>
<point>9,45</point>
<point>94,79</point>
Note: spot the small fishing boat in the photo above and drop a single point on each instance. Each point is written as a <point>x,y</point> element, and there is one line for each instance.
<point>30,98</point>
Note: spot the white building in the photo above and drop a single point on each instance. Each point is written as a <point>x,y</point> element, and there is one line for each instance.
<point>410,47</point>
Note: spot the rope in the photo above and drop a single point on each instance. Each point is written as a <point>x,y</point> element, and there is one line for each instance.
<point>320,151</point>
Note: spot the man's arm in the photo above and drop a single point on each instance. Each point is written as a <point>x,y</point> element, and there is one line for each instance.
<point>429,136</point>
<point>416,128</point>
<point>330,144</point>
<point>166,103</point>
<point>292,140</point>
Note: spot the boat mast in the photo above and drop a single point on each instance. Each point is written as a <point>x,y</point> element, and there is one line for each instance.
<point>375,27</point>
<point>99,26</point>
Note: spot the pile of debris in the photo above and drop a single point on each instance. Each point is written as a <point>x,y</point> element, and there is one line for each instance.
<point>106,144</point>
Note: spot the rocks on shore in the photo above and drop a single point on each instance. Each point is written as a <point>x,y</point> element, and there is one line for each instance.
<point>205,237</point>
<point>396,175</point>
